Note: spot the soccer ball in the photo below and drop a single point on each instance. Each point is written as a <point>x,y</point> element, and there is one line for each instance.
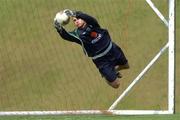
<point>62,18</point>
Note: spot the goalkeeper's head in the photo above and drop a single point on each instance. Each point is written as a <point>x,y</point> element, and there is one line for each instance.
<point>78,22</point>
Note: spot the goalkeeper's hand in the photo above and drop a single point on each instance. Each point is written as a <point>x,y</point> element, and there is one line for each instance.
<point>69,13</point>
<point>57,25</point>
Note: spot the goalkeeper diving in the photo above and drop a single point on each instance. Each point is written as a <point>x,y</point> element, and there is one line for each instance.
<point>96,44</point>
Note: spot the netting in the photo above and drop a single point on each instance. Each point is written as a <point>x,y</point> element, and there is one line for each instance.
<point>40,71</point>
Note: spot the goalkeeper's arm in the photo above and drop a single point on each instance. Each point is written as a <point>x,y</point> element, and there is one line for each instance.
<point>64,34</point>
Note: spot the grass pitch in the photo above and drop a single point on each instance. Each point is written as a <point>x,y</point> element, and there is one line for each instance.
<point>40,71</point>
<point>84,117</point>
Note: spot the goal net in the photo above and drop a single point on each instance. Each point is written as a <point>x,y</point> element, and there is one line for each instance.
<point>42,74</point>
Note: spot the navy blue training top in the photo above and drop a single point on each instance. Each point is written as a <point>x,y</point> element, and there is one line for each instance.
<point>93,39</point>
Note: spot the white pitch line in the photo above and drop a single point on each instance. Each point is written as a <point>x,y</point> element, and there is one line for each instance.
<point>157,12</point>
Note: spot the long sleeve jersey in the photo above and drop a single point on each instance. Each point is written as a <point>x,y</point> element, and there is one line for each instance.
<point>95,41</point>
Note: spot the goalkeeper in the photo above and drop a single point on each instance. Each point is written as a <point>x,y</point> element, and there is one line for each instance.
<point>97,44</point>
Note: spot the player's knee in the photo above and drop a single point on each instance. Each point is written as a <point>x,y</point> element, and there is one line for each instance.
<point>121,67</point>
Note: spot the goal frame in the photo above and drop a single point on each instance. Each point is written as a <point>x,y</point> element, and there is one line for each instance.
<point>171,78</point>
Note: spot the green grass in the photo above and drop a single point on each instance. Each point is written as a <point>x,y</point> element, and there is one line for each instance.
<point>40,71</point>
<point>85,117</point>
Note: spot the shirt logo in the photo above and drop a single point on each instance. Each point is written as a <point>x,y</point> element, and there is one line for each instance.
<point>99,36</point>
<point>93,34</point>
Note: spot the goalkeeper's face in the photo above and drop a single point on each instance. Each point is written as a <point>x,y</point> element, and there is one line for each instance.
<point>79,22</point>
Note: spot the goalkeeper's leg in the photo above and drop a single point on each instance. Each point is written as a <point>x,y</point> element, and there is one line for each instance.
<point>121,67</point>
<point>112,77</point>
<point>115,84</point>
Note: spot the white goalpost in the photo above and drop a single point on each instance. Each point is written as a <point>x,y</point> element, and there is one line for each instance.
<point>170,24</point>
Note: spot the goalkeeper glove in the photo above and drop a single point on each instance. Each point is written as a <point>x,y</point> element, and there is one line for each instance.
<point>57,25</point>
<point>69,13</point>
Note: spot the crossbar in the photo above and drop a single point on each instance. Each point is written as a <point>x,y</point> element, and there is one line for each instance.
<point>83,112</point>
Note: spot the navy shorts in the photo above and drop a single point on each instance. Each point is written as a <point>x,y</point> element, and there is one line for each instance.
<point>107,63</point>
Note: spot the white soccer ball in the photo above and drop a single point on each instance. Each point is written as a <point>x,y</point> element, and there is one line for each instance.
<point>62,18</point>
